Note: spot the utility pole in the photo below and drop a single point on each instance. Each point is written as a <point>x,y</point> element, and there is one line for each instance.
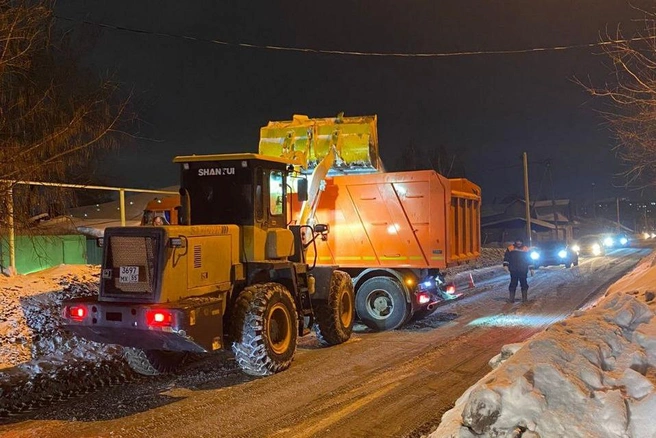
<point>619,224</point>
<point>526,199</point>
<point>12,230</point>
<point>553,200</point>
<point>594,207</point>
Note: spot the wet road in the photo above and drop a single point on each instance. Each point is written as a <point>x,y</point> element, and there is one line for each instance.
<point>388,384</point>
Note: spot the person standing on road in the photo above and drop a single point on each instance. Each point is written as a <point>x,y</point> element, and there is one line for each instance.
<point>517,262</point>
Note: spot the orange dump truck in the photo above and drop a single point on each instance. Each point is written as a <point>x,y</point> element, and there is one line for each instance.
<point>394,232</point>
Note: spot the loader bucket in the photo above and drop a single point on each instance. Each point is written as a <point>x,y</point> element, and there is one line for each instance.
<point>307,141</point>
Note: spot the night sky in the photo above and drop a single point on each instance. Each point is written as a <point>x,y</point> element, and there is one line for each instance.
<point>197,97</point>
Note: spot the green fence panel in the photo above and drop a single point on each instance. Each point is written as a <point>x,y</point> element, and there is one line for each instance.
<point>94,252</point>
<point>35,253</point>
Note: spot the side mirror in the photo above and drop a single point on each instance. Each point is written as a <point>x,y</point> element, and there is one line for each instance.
<point>322,230</point>
<point>302,185</point>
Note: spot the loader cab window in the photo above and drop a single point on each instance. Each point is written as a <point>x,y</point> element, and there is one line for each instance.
<point>219,192</point>
<point>259,192</point>
<point>270,197</point>
<point>276,193</point>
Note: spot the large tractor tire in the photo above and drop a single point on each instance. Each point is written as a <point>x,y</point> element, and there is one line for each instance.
<point>264,329</point>
<point>153,362</point>
<point>381,303</point>
<point>335,317</point>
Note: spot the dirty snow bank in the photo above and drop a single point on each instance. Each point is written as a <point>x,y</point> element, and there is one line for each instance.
<point>591,375</point>
<point>489,257</point>
<point>35,353</point>
<point>479,268</point>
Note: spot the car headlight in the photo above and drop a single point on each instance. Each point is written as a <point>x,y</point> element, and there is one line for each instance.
<point>596,249</point>
<point>624,241</point>
<point>576,248</point>
<point>608,241</point>
<point>535,255</point>
<point>562,253</point>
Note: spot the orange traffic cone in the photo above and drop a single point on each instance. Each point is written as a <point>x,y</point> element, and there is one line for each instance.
<point>471,281</point>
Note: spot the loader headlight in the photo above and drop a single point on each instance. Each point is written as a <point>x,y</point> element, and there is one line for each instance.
<point>624,241</point>
<point>535,255</point>
<point>576,249</point>
<point>177,242</point>
<point>562,253</point>
<point>608,241</point>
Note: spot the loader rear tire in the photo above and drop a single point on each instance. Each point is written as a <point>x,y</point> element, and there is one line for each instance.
<point>381,303</point>
<point>335,317</point>
<point>264,329</point>
<point>153,362</point>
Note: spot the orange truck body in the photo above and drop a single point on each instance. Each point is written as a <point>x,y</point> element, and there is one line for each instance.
<point>415,220</point>
<point>165,208</point>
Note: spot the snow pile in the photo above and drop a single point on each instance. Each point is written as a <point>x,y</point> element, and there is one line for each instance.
<point>36,356</point>
<point>591,375</point>
<point>30,321</point>
<point>489,257</point>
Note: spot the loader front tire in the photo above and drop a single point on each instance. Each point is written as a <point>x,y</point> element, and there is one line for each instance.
<point>264,329</point>
<point>153,362</point>
<point>335,316</point>
<point>381,303</point>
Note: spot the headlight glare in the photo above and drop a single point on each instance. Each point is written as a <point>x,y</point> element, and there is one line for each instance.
<point>535,255</point>
<point>562,253</point>
<point>596,249</point>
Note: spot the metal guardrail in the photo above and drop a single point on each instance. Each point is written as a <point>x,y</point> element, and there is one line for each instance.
<point>10,204</point>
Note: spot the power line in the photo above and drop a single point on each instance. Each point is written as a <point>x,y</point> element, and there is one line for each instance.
<point>359,53</point>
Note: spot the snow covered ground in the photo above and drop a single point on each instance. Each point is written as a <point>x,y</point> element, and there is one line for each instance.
<point>35,352</point>
<point>591,375</point>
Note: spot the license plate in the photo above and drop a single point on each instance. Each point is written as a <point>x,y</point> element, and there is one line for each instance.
<point>129,274</point>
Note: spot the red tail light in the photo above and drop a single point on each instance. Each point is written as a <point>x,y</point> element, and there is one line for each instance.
<point>159,318</point>
<point>423,298</point>
<point>451,289</point>
<point>76,313</point>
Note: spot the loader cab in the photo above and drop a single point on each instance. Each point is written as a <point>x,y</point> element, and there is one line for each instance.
<point>240,189</point>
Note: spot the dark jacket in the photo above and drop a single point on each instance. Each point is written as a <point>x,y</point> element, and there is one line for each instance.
<point>517,259</point>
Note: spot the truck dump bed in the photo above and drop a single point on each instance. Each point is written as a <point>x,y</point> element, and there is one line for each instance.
<point>416,219</point>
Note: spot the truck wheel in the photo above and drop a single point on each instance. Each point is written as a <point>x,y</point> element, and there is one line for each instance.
<point>381,304</point>
<point>264,329</point>
<point>153,362</point>
<point>334,317</point>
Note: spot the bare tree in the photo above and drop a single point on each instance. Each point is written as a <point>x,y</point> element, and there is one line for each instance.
<point>631,99</point>
<point>53,115</point>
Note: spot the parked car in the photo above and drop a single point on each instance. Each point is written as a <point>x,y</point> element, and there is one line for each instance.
<point>554,253</point>
<point>589,246</point>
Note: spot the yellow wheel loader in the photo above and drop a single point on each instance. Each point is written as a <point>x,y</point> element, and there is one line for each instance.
<point>232,274</point>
